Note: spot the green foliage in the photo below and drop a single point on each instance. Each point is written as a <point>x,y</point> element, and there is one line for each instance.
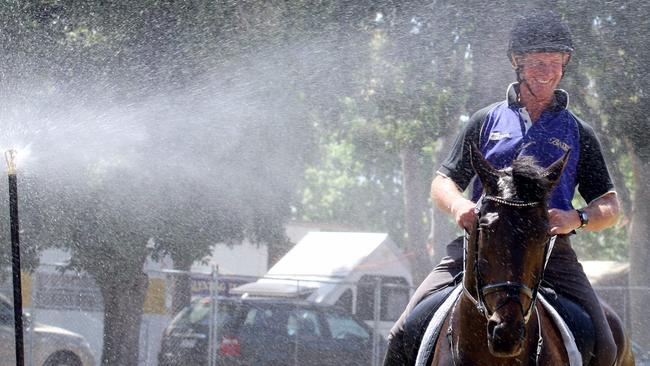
<point>349,187</point>
<point>379,148</point>
<point>159,127</point>
<point>609,244</point>
<point>410,93</point>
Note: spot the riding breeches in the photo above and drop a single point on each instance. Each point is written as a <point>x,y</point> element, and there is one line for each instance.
<point>563,272</point>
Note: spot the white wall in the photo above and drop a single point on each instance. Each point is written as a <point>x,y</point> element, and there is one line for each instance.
<point>242,259</point>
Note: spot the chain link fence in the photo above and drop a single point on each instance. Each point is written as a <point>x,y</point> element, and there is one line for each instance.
<point>232,319</point>
<point>629,303</point>
<point>349,325</point>
<point>250,320</point>
<point>63,317</point>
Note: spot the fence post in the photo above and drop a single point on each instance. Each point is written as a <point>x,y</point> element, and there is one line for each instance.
<point>32,318</point>
<point>213,335</point>
<point>147,331</point>
<point>626,317</point>
<point>298,333</point>
<point>376,318</point>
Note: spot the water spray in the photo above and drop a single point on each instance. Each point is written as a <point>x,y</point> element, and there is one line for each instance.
<point>10,156</point>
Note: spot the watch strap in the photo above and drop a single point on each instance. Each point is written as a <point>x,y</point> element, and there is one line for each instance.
<point>584,218</point>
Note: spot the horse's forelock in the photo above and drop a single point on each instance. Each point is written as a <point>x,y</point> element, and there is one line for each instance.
<point>524,180</point>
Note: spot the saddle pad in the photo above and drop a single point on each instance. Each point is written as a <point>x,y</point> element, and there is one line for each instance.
<point>433,330</point>
<point>575,358</point>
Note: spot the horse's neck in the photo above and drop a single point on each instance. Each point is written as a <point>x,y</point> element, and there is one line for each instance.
<point>467,320</point>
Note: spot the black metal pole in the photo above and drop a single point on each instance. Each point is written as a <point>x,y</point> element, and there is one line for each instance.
<point>15,257</point>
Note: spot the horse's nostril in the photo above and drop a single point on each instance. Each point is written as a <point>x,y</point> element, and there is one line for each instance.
<point>492,328</point>
<point>502,332</point>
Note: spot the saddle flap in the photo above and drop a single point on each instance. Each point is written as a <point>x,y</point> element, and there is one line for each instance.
<point>433,329</point>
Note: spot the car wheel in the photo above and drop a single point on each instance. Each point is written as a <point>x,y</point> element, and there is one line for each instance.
<point>63,359</point>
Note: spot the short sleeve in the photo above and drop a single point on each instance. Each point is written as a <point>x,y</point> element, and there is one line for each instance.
<point>593,177</point>
<point>458,166</point>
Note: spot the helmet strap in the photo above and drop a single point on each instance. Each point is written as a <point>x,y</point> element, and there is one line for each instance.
<point>521,80</point>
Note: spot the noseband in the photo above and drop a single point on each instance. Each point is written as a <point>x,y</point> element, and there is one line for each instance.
<point>512,289</point>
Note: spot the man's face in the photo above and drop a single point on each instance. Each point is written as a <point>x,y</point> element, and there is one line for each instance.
<point>542,71</point>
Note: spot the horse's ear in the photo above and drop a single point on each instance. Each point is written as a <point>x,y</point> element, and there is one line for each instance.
<point>486,173</point>
<point>554,171</point>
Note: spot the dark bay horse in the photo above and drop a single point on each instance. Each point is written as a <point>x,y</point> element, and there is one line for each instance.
<point>497,319</point>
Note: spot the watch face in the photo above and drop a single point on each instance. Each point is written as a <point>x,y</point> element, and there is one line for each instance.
<point>584,218</point>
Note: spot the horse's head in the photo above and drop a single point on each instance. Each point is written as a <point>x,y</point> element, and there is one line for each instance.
<point>507,255</point>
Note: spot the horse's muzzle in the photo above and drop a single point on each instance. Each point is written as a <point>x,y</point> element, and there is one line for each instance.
<point>505,339</point>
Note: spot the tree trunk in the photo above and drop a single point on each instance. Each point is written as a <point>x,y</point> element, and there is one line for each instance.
<point>123,309</point>
<point>415,208</point>
<point>491,70</point>
<point>181,283</point>
<point>640,254</point>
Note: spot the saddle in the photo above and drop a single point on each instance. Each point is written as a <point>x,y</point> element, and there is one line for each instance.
<point>575,318</point>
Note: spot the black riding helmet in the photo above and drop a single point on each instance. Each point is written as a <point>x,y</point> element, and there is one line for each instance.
<point>539,32</point>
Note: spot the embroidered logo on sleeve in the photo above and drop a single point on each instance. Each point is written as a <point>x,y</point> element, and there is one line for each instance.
<point>562,145</point>
<point>497,136</point>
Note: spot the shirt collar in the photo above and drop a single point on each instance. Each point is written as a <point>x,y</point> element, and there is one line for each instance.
<point>560,100</point>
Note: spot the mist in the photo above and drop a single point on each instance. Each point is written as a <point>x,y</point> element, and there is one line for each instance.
<point>186,125</point>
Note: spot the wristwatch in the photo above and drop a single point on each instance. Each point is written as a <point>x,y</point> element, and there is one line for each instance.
<point>584,218</point>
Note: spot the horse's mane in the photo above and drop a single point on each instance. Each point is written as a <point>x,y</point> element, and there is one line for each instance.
<point>528,181</point>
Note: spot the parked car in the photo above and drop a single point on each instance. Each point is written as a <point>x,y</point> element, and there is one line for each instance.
<point>267,332</point>
<point>53,346</point>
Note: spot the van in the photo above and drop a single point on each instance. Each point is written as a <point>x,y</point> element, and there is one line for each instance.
<point>364,273</point>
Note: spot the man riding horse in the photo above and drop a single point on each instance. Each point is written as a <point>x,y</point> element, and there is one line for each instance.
<point>534,120</point>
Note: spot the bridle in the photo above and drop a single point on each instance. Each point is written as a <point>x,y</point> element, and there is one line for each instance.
<point>512,289</point>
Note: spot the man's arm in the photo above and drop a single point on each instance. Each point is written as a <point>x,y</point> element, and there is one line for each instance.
<point>603,212</point>
<point>455,173</point>
<point>449,198</point>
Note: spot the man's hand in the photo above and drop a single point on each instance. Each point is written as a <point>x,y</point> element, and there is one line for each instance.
<point>563,222</point>
<point>464,213</point>
<point>449,198</point>
<point>603,213</point>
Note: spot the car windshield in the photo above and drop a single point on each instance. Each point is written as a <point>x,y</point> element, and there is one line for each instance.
<point>342,326</point>
<point>197,315</point>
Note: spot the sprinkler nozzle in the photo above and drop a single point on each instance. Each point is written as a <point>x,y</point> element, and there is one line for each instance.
<point>10,156</point>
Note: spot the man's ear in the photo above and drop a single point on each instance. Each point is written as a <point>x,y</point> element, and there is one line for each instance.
<point>515,60</point>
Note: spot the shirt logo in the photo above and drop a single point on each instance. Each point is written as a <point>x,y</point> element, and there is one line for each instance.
<point>497,136</point>
<point>562,145</point>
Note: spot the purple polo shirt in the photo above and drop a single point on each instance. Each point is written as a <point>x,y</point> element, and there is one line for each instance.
<point>503,131</point>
